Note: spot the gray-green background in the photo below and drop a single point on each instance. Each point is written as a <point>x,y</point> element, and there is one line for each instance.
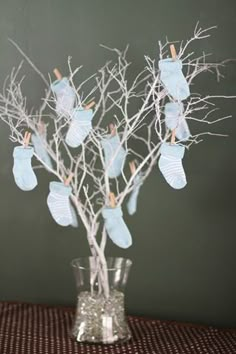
<point>184,241</point>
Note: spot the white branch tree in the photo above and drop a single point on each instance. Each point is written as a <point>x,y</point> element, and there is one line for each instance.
<point>133,110</point>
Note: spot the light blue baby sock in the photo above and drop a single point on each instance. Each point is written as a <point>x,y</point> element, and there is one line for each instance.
<point>40,149</point>
<point>173,78</point>
<point>59,204</point>
<point>110,146</point>
<point>133,198</point>
<point>170,164</point>
<point>80,127</point>
<point>175,119</point>
<point>65,96</point>
<point>22,169</point>
<point>116,227</point>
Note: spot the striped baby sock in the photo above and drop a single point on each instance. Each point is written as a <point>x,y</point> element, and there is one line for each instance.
<point>24,175</point>
<point>65,96</point>
<point>173,78</point>
<point>170,164</point>
<point>175,119</point>
<point>80,127</point>
<point>59,204</point>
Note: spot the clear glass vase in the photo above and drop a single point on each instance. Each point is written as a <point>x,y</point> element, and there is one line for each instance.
<point>100,313</point>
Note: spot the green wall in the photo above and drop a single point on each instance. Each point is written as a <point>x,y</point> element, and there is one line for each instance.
<point>184,241</point>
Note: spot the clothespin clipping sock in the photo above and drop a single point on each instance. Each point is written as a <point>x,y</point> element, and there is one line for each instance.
<point>57,74</point>
<point>132,167</point>
<point>173,52</point>
<point>26,139</point>
<point>90,105</point>
<point>68,180</point>
<point>41,127</point>
<point>173,136</point>
<point>112,199</point>
<point>113,130</point>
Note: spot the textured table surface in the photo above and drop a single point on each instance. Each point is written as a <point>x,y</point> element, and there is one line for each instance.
<point>39,329</point>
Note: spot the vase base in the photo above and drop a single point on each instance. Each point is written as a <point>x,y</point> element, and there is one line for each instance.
<point>101,320</point>
<point>114,341</point>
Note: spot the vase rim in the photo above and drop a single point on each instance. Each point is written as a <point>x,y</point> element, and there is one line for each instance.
<point>79,262</point>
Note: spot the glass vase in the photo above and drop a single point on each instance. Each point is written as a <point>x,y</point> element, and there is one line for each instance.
<point>100,313</point>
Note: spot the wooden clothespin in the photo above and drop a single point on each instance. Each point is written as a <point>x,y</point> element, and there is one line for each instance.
<point>26,138</point>
<point>173,52</point>
<point>172,141</point>
<point>132,167</point>
<point>41,127</point>
<point>68,179</point>
<point>90,105</point>
<point>112,199</point>
<point>57,74</point>
<point>113,130</point>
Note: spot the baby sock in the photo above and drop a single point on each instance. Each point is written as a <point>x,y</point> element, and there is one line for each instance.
<point>40,149</point>
<point>170,164</point>
<point>74,217</point>
<point>65,96</point>
<point>59,204</point>
<point>133,198</point>
<point>175,119</point>
<point>173,78</point>
<point>116,227</point>
<point>22,169</point>
<point>114,166</point>
<point>80,127</point>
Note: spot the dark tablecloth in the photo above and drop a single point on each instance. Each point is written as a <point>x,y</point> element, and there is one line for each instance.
<point>40,329</point>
